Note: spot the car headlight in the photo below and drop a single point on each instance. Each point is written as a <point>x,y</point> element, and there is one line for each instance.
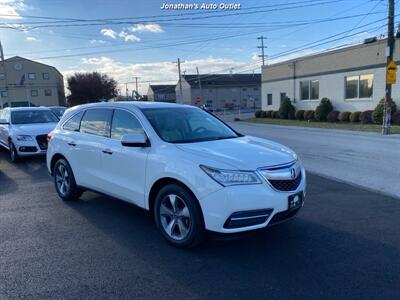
<point>231,177</point>
<point>24,138</point>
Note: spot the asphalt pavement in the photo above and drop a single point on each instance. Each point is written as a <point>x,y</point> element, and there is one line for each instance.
<point>365,159</point>
<point>344,244</point>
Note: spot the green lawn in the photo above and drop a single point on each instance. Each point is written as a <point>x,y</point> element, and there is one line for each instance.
<point>344,126</point>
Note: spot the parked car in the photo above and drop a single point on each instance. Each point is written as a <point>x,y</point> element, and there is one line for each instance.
<point>58,110</point>
<point>189,169</point>
<point>23,131</point>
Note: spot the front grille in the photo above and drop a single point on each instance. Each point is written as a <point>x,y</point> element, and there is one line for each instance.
<point>42,141</point>
<point>286,185</point>
<point>27,149</point>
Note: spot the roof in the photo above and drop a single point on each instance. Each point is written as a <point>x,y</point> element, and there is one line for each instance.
<point>19,58</point>
<point>163,88</point>
<point>26,108</point>
<point>137,104</point>
<point>223,79</point>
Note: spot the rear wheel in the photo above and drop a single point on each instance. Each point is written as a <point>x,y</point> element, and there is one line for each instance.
<point>178,216</point>
<point>64,181</point>
<point>13,152</point>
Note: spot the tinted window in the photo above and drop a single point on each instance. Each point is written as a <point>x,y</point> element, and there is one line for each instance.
<point>124,123</point>
<point>33,116</point>
<point>97,122</point>
<point>187,125</point>
<point>73,123</point>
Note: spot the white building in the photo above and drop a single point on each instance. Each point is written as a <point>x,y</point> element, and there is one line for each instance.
<point>353,78</point>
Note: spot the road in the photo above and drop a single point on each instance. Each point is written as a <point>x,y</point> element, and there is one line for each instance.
<point>369,160</point>
<point>344,244</point>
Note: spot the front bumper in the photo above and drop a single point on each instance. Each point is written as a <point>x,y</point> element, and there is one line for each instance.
<point>244,202</point>
<point>29,148</point>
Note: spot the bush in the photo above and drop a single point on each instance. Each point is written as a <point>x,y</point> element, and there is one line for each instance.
<point>263,114</point>
<point>309,115</point>
<point>323,109</point>
<point>285,108</point>
<point>268,114</point>
<point>396,118</point>
<point>332,116</point>
<point>355,116</point>
<point>366,117</point>
<point>344,116</point>
<point>275,114</point>
<point>291,115</point>
<point>257,114</point>
<point>377,115</point>
<point>299,115</point>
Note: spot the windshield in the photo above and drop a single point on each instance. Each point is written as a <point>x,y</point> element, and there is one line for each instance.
<point>187,125</point>
<point>32,117</point>
<point>58,111</point>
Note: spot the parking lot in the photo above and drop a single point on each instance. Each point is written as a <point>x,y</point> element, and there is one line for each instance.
<point>343,244</point>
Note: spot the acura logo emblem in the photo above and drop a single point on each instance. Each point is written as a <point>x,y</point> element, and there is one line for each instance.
<point>293,173</point>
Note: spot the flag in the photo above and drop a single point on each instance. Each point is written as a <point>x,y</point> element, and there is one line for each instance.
<point>22,81</point>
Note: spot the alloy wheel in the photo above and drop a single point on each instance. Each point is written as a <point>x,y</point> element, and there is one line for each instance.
<point>175,217</point>
<point>62,179</point>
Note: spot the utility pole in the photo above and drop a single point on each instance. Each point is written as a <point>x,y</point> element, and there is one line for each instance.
<point>388,97</point>
<point>136,81</point>
<point>262,47</point>
<point>180,77</point>
<point>5,74</point>
<point>198,78</point>
<point>126,91</point>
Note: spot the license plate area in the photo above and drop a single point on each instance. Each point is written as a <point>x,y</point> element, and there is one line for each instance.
<point>295,201</point>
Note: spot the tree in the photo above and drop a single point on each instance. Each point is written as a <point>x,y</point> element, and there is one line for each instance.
<point>286,108</point>
<point>90,87</point>
<point>323,109</point>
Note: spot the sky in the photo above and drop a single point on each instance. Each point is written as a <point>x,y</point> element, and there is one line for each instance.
<point>137,38</point>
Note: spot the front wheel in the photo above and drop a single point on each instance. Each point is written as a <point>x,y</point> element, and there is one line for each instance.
<point>13,152</point>
<point>178,216</point>
<point>64,181</point>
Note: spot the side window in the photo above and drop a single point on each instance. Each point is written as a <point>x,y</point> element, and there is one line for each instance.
<point>73,123</point>
<point>124,123</point>
<point>96,122</point>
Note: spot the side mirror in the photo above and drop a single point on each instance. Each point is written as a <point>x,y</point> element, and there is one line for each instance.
<point>4,122</point>
<point>135,140</point>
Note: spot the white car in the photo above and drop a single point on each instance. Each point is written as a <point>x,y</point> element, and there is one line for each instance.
<point>191,170</point>
<point>23,131</point>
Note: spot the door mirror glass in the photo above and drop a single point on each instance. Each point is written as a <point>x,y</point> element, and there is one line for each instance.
<point>135,140</point>
<point>4,122</point>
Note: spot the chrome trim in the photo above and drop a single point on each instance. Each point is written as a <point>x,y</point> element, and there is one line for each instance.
<point>288,172</point>
<point>250,217</point>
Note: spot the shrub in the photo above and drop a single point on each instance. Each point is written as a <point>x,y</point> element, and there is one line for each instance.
<point>309,115</point>
<point>275,114</point>
<point>323,109</point>
<point>291,115</point>
<point>377,115</point>
<point>366,117</point>
<point>285,108</point>
<point>263,114</point>
<point>299,115</point>
<point>332,116</point>
<point>396,118</point>
<point>355,116</point>
<point>257,113</point>
<point>268,114</point>
<point>344,116</point>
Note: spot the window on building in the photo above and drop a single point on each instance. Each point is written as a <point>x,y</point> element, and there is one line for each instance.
<point>34,93</point>
<point>304,90</point>
<point>314,89</point>
<point>46,76</point>
<point>2,76</point>
<point>47,92</point>
<point>283,96</point>
<point>3,94</point>
<point>359,86</point>
<point>269,99</point>
<point>31,76</point>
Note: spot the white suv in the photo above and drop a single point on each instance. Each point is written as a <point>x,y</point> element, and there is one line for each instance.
<point>23,131</point>
<point>191,170</point>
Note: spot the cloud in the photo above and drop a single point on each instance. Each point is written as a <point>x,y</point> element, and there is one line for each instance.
<point>9,9</point>
<point>163,72</point>
<point>150,27</point>
<point>97,42</point>
<point>31,39</point>
<point>122,34</point>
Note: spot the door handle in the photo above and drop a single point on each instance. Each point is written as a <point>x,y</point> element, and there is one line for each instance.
<point>107,151</point>
<point>72,144</point>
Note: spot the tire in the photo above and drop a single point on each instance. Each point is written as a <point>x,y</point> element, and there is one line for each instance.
<point>13,152</point>
<point>182,224</point>
<point>64,181</point>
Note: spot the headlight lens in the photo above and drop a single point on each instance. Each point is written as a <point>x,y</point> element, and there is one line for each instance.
<point>230,177</point>
<point>24,138</point>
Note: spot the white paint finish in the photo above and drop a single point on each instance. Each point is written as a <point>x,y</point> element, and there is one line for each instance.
<point>366,159</point>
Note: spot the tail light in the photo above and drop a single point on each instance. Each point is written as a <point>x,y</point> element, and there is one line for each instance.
<point>49,137</point>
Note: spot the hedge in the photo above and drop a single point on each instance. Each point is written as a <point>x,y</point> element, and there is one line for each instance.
<point>323,109</point>
<point>257,113</point>
<point>355,116</point>
<point>309,115</point>
<point>366,117</point>
<point>344,116</point>
<point>299,115</point>
<point>332,116</point>
<point>396,118</point>
<point>285,108</point>
<point>377,115</point>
